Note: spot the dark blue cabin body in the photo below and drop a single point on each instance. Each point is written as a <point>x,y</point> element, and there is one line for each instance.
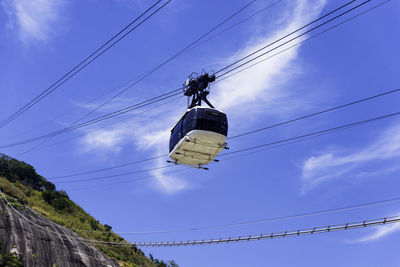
<point>206,119</point>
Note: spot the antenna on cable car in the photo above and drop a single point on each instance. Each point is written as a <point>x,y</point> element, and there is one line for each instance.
<point>198,87</point>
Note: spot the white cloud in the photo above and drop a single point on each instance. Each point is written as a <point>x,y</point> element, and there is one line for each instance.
<point>144,136</point>
<point>166,182</point>
<point>33,19</point>
<point>144,129</point>
<point>258,90</point>
<point>108,140</point>
<point>380,232</point>
<point>113,105</point>
<point>261,89</point>
<point>334,164</point>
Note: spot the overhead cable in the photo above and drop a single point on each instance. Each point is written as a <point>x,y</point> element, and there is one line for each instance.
<point>317,133</point>
<point>288,41</point>
<point>235,25</point>
<point>262,221</point>
<point>271,144</point>
<point>127,110</point>
<point>83,64</point>
<point>142,77</point>
<point>98,119</point>
<point>258,237</point>
<point>311,37</point>
<point>145,75</point>
<point>242,134</point>
<point>315,114</point>
<point>112,176</point>
<point>301,42</point>
<point>201,43</point>
<point>208,39</point>
<point>129,118</point>
<point>109,168</point>
<point>126,181</point>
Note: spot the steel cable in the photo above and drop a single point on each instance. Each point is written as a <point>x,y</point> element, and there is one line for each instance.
<point>78,67</point>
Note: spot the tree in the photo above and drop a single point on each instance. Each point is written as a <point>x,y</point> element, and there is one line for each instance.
<point>107,227</point>
<point>172,263</point>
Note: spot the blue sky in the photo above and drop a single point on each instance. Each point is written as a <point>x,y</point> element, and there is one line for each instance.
<point>43,39</point>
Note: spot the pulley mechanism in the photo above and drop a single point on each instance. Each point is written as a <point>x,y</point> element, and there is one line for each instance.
<point>198,87</point>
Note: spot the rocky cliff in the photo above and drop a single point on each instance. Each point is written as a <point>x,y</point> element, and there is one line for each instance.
<point>42,226</point>
<point>36,241</point>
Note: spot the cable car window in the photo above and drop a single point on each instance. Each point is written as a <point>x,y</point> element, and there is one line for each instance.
<point>212,115</point>
<point>179,129</point>
<point>190,120</point>
<point>191,114</point>
<point>210,125</point>
<point>176,135</point>
<point>185,125</point>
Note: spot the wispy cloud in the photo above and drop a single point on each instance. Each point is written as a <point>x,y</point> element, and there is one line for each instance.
<point>113,105</point>
<point>33,20</point>
<point>105,140</point>
<point>379,233</point>
<point>335,164</point>
<point>145,132</point>
<point>144,129</point>
<point>168,183</point>
<point>251,90</point>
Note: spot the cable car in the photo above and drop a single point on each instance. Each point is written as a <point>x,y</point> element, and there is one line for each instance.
<point>200,134</point>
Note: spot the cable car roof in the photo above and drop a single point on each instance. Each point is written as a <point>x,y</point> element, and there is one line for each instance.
<point>189,109</point>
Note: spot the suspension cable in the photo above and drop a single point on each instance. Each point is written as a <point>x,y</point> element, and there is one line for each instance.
<point>129,118</point>
<point>302,41</point>
<point>101,118</point>
<point>130,108</point>
<point>317,133</point>
<point>258,237</point>
<point>225,240</point>
<point>113,175</point>
<point>235,25</point>
<point>241,134</point>
<point>265,146</point>
<point>293,32</point>
<point>85,63</point>
<point>263,221</point>
<point>314,114</point>
<point>142,77</point>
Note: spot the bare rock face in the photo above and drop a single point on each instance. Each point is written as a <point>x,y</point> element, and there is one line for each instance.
<point>40,242</point>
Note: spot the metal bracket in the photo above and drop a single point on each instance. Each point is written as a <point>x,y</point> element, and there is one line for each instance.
<point>198,87</point>
<point>185,165</point>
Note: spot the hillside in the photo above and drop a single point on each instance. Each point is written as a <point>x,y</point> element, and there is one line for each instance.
<point>43,227</point>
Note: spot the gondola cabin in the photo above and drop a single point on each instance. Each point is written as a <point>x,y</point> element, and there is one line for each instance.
<point>199,136</point>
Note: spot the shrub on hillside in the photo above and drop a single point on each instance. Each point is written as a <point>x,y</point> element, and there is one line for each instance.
<point>12,190</point>
<point>58,199</point>
<point>15,170</point>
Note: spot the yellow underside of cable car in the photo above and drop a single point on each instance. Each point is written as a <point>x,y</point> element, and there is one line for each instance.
<point>198,147</point>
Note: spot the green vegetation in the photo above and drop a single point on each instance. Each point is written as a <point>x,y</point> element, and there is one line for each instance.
<point>13,190</point>
<point>24,186</point>
<point>9,259</point>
